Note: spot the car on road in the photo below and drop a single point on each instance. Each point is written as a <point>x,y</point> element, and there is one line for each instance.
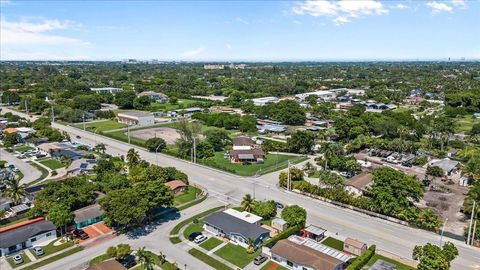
<point>259,259</point>
<point>38,251</point>
<point>79,233</point>
<point>279,205</point>
<point>17,259</point>
<point>194,235</point>
<point>78,137</point>
<point>199,239</point>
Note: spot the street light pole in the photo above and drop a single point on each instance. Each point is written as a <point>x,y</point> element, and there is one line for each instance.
<point>83,119</point>
<point>471,223</point>
<point>473,232</point>
<point>441,235</point>
<point>156,154</point>
<point>128,132</point>
<point>289,183</point>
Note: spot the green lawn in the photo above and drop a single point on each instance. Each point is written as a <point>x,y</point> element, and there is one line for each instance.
<point>236,255</point>
<point>25,260</point>
<point>187,196</point>
<point>333,243</point>
<point>54,258</point>
<point>100,126</point>
<point>198,227</point>
<point>211,243</point>
<point>267,222</point>
<point>272,163</point>
<point>120,135</point>
<point>270,263</point>
<point>52,164</point>
<point>41,169</point>
<point>99,259</point>
<point>465,123</point>
<point>23,148</point>
<point>51,248</point>
<point>208,260</point>
<point>399,265</point>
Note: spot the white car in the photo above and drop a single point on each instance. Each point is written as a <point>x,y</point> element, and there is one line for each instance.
<point>199,239</point>
<point>18,259</point>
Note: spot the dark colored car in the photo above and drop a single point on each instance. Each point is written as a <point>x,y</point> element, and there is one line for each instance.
<point>81,234</point>
<point>279,205</point>
<point>259,259</point>
<point>407,164</point>
<point>193,235</point>
<point>128,261</point>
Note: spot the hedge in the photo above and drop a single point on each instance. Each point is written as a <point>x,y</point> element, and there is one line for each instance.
<point>285,234</point>
<point>359,262</point>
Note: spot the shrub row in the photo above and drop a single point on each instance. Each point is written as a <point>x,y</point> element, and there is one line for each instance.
<point>283,235</point>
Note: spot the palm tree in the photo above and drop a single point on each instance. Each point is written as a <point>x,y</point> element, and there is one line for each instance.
<point>247,202</point>
<point>145,258</point>
<point>161,257</point>
<point>327,153</point>
<point>15,191</point>
<point>100,148</point>
<point>132,157</point>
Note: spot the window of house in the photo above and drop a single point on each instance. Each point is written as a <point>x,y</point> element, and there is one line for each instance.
<point>289,263</point>
<point>48,234</point>
<point>33,239</point>
<point>12,248</point>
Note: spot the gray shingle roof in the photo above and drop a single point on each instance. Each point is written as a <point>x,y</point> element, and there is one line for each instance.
<point>21,234</point>
<point>230,224</point>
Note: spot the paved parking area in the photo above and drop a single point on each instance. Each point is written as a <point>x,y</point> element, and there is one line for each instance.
<point>95,231</point>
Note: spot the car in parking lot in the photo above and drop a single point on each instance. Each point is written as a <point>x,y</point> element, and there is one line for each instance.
<point>17,259</point>
<point>38,251</point>
<point>194,235</point>
<point>81,234</point>
<point>199,239</point>
<point>259,259</point>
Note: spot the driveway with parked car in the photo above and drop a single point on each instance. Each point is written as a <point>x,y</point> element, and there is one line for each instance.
<point>29,172</point>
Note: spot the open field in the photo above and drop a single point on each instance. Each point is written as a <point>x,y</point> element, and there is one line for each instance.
<point>101,126</point>
<point>170,135</point>
<point>465,123</point>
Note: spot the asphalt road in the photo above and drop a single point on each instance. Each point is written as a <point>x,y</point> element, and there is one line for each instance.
<point>30,173</point>
<point>229,188</point>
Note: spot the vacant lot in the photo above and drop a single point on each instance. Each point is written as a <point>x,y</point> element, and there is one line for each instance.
<point>100,126</point>
<point>170,135</point>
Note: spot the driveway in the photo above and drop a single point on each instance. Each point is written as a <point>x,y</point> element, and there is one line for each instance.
<point>30,173</point>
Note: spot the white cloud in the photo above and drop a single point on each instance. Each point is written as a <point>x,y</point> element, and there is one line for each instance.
<point>240,20</point>
<point>340,11</point>
<point>24,32</point>
<point>439,7</point>
<point>401,6</point>
<point>194,52</point>
<point>229,46</point>
<point>460,4</point>
<point>297,22</point>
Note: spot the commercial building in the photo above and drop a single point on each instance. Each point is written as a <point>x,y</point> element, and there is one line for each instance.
<point>236,229</point>
<point>264,101</point>
<point>136,119</point>
<point>110,90</point>
<point>320,94</point>
<point>26,234</point>
<point>88,215</point>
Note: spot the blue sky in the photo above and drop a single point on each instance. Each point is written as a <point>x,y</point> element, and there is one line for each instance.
<point>239,30</point>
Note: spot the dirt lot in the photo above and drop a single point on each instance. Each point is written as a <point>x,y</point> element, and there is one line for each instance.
<point>170,135</point>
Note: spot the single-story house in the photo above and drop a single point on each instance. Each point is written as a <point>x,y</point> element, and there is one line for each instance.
<point>5,203</point>
<point>177,186</point>
<point>354,247</point>
<point>245,216</point>
<point>271,128</point>
<point>243,143</point>
<point>279,224</point>
<point>110,90</point>
<point>186,113</point>
<point>305,254</point>
<point>264,101</point>
<point>157,97</point>
<point>358,184</point>
<point>81,166</point>
<point>253,155</point>
<point>111,264</point>
<point>70,153</point>
<point>237,230</point>
<point>136,119</point>
<point>447,165</point>
<point>88,215</point>
<point>25,234</point>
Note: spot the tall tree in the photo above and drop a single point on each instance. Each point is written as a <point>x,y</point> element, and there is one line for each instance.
<point>15,191</point>
<point>132,157</point>
<point>434,257</point>
<point>247,202</point>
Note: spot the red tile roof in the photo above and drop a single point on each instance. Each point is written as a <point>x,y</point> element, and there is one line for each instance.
<point>21,224</point>
<point>175,184</point>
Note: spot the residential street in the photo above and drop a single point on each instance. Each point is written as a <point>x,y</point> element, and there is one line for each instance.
<point>30,173</point>
<point>230,188</point>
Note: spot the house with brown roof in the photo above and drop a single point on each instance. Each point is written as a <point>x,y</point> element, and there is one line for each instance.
<point>243,143</point>
<point>354,246</point>
<point>107,265</point>
<point>298,255</point>
<point>176,186</point>
<point>253,155</point>
<point>358,184</point>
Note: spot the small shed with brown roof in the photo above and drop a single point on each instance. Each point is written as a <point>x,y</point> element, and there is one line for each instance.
<point>354,246</point>
<point>359,183</point>
<point>107,265</point>
<point>296,256</point>
<point>176,186</point>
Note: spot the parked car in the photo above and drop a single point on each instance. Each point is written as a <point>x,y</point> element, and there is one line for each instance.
<point>279,205</point>
<point>194,235</point>
<point>199,239</point>
<point>128,261</point>
<point>81,234</point>
<point>17,259</point>
<point>259,259</point>
<point>38,251</point>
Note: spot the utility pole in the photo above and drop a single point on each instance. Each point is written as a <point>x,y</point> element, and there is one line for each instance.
<point>441,235</point>
<point>156,155</point>
<point>473,232</point>
<point>26,106</point>
<point>83,119</point>
<point>289,182</point>
<point>128,132</point>
<point>53,115</point>
<point>471,223</point>
<point>194,150</point>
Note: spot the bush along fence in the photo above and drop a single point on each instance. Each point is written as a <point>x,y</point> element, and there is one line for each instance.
<point>283,235</point>
<point>359,262</point>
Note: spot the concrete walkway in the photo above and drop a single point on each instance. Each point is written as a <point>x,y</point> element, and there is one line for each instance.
<point>217,248</point>
<point>46,257</point>
<point>30,255</point>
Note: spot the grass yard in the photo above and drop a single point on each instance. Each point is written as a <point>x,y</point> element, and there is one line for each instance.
<point>465,123</point>
<point>399,265</point>
<point>272,163</point>
<point>101,126</point>
<point>41,169</point>
<point>50,248</point>
<point>23,148</point>
<point>333,243</point>
<point>187,196</point>
<point>211,243</point>
<point>25,260</point>
<point>269,265</point>
<point>179,226</point>
<point>52,164</point>
<point>54,258</point>
<point>120,135</point>
<point>208,260</point>
<point>236,255</point>
<point>99,259</point>
<point>194,227</point>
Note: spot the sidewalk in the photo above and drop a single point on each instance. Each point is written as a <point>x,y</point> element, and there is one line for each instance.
<point>46,257</point>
